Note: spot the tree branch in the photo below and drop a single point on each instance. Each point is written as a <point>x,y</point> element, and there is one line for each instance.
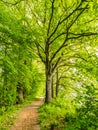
<point>63,33</point>
<point>63,45</point>
<point>36,16</point>
<point>72,22</point>
<point>55,66</point>
<point>61,21</point>
<point>51,17</point>
<point>38,49</point>
<point>82,35</point>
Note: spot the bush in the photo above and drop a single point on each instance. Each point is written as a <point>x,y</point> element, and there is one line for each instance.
<point>86,116</point>
<point>52,115</point>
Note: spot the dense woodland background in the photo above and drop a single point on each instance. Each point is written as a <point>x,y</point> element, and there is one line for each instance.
<point>50,48</point>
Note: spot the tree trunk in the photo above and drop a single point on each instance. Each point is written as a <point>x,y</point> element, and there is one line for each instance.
<point>52,89</point>
<point>20,93</point>
<point>48,84</point>
<point>48,89</point>
<point>57,83</point>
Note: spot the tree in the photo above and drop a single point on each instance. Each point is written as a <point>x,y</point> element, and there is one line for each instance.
<point>56,26</point>
<point>60,27</point>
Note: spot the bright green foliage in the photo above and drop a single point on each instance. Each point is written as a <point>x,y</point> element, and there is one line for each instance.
<point>52,115</point>
<point>17,55</point>
<point>63,33</point>
<point>81,113</point>
<point>86,116</point>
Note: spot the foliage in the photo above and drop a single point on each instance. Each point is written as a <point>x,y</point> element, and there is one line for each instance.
<point>16,59</point>
<point>64,36</point>
<point>86,116</point>
<point>52,115</point>
<point>79,114</point>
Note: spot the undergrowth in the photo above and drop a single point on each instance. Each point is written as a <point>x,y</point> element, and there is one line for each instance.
<point>61,116</point>
<point>52,115</point>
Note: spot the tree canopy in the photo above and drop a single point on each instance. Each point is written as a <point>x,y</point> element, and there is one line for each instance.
<point>49,47</point>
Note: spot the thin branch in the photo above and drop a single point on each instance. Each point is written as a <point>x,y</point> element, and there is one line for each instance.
<point>77,9</point>
<point>56,64</point>
<point>63,33</point>
<point>75,56</point>
<point>37,45</point>
<point>41,47</point>
<point>73,21</point>
<point>51,17</point>
<point>67,64</point>
<point>79,57</point>
<point>66,8</point>
<point>82,35</point>
<point>63,45</point>
<point>45,13</point>
<point>90,21</point>
<point>37,18</point>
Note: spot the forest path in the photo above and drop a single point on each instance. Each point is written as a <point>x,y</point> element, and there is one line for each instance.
<point>28,117</point>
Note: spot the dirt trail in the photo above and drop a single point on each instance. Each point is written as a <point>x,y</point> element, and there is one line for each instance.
<point>28,117</point>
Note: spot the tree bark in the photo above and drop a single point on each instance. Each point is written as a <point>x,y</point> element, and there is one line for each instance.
<point>57,83</point>
<point>48,87</point>
<point>52,88</point>
<point>49,78</point>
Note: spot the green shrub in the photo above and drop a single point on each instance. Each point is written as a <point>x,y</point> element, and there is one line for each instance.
<point>86,116</point>
<point>52,115</point>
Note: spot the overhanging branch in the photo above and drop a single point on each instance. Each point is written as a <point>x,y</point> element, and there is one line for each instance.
<point>76,36</point>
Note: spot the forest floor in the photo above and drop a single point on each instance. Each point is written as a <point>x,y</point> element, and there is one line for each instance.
<point>27,118</point>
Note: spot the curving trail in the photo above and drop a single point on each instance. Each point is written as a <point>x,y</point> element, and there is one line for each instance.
<point>28,117</point>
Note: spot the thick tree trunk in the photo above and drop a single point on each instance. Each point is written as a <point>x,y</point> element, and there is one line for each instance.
<point>48,75</point>
<point>48,89</point>
<point>48,84</point>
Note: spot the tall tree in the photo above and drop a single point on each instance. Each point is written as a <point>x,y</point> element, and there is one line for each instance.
<point>62,25</point>
<point>56,26</point>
